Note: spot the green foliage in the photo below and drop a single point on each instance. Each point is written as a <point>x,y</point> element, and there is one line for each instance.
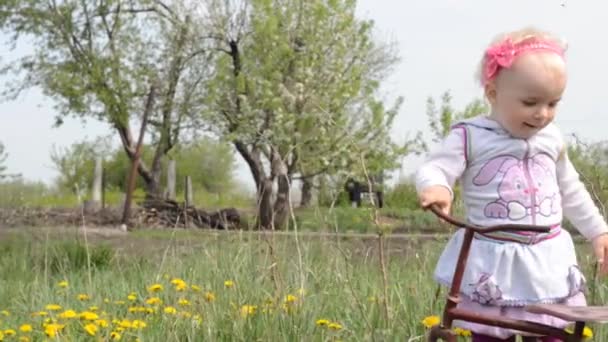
<point>303,84</point>
<point>441,120</point>
<point>591,162</point>
<point>70,256</point>
<point>403,195</point>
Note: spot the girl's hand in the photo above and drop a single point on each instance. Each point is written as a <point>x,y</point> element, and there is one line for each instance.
<point>440,196</point>
<point>600,247</point>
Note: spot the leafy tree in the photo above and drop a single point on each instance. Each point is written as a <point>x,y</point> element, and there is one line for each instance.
<point>100,59</point>
<point>296,91</point>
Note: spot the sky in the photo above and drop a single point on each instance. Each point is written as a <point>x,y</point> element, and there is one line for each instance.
<point>439,42</point>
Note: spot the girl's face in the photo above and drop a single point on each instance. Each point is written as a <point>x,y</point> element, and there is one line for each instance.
<point>525,96</point>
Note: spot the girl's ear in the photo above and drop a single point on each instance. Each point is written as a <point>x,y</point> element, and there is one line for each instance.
<point>490,92</point>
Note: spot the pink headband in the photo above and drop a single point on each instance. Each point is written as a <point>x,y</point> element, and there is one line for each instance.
<point>504,53</point>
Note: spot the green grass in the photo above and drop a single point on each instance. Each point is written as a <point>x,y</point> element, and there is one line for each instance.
<point>341,279</point>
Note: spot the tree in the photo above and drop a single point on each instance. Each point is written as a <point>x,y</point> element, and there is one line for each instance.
<point>76,163</point>
<point>3,156</point>
<point>440,121</point>
<point>99,59</point>
<point>295,90</point>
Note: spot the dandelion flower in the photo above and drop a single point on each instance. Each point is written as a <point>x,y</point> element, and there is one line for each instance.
<point>587,332</point>
<point>83,297</point>
<point>25,328</point>
<point>102,323</point>
<point>68,314</point>
<point>195,288</point>
<point>53,307</point>
<point>180,284</point>
<point>132,297</point>
<point>154,301</point>
<point>93,308</point>
<point>290,299</point>
<point>170,310</point>
<point>183,302</point>
<point>431,321</point>
<point>155,288</point>
<point>115,336</point>
<point>209,296</point>
<point>53,329</point>
<point>63,284</point>
<point>462,332</point>
<point>91,329</point>
<point>40,313</point>
<point>248,310</point>
<point>9,332</point>
<point>5,313</point>
<point>322,322</point>
<point>137,324</point>
<point>334,326</point>
<point>228,283</point>
<point>89,316</point>
<point>125,324</point>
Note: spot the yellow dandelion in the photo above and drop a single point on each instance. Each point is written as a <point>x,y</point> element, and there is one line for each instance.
<point>102,323</point>
<point>40,314</point>
<point>5,313</point>
<point>195,288</point>
<point>91,329</point>
<point>322,322</point>
<point>180,284</point>
<point>155,288</point>
<point>63,284</point>
<point>248,310</point>
<point>53,307</point>
<point>89,316</point>
<point>53,329</point>
<point>132,297</point>
<point>334,326</point>
<point>68,314</point>
<point>150,310</point>
<point>137,324</point>
<point>83,297</point>
<point>115,336</point>
<point>125,324</point>
<point>93,308</point>
<point>209,296</point>
<point>9,332</point>
<point>25,328</point>
<point>587,332</point>
<point>170,310</point>
<point>290,299</point>
<point>462,332</point>
<point>229,283</point>
<point>431,321</point>
<point>183,302</point>
<point>106,300</point>
<point>154,301</point>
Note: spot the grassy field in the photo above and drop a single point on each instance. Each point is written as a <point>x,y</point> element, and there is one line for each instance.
<point>206,286</point>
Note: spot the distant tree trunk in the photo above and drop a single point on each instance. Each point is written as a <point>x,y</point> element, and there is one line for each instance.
<point>306,192</point>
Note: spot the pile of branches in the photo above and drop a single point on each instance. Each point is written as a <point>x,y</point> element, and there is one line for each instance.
<point>168,213</point>
<point>157,213</point>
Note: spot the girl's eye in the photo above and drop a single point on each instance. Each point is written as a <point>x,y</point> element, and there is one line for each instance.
<point>528,103</point>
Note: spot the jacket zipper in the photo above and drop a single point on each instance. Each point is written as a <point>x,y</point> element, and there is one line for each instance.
<point>530,183</point>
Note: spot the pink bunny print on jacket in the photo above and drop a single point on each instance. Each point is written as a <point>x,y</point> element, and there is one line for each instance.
<point>525,187</point>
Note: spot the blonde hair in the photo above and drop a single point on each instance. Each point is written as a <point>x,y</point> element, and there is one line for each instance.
<point>518,36</point>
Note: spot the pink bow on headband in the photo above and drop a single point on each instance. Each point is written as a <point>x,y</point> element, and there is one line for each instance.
<point>504,54</point>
